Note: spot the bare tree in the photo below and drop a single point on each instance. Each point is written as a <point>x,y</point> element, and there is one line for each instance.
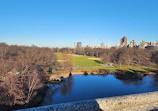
<point>154,57</point>
<point>142,56</point>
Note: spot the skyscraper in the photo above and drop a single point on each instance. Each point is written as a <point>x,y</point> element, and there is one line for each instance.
<point>102,45</point>
<point>79,44</point>
<point>124,41</point>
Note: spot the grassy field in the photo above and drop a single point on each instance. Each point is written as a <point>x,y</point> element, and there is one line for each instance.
<point>80,60</point>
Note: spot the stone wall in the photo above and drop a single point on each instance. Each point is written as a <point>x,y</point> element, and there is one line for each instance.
<point>136,102</point>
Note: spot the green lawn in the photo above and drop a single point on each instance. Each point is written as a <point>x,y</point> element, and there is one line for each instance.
<point>80,60</point>
<point>84,61</point>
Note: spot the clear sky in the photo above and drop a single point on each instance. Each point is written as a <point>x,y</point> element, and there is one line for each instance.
<point>58,23</point>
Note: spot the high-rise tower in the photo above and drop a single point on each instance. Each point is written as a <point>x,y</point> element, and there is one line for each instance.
<point>124,41</point>
<point>79,44</point>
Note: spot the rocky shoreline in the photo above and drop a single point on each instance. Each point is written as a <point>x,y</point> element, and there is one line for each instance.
<point>122,74</point>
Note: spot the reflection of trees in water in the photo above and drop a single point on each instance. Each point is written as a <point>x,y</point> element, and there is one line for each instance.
<point>153,85</point>
<point>135,82</point>
<point>67,86</point>
<point>128,81</point>
<point>49,95</point>
<point>155,82</point>
<point>104,75</point>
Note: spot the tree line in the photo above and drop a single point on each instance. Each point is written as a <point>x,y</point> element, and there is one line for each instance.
<point>121,56</point>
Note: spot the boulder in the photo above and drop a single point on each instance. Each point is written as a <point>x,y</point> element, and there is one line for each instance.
<point>56,78</point>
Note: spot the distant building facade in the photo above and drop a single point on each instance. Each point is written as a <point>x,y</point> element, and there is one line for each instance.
<point>143,44</point>
<point>75,45</point>
<point>102,45</point>
<point>133,43</point>
<point>79,44</point>
<point>124,41</point>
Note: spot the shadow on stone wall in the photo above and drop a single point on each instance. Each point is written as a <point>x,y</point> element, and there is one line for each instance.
<point>156,109</point>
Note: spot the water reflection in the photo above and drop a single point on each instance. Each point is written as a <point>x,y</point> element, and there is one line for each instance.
<point>98,86</point>
<point>135,82</point>
<point>64,88</point>
<point>155,82</point>
<point>67,86</point>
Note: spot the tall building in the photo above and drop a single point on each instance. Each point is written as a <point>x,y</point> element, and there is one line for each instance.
<point>132,43</point>
<point>79,44</point>
<point>143,44</point>
<point>102,45</point>
<point>124,41</point>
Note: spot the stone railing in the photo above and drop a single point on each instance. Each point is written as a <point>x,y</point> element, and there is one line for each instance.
<point>135,102</point>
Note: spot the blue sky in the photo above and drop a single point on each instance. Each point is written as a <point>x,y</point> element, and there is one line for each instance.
<point>59,23</point>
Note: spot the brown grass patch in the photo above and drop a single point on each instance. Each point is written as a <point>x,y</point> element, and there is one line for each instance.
<point>94,58</point>
<point>61,60</point>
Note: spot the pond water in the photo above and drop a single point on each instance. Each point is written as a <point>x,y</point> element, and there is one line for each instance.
<point>81,87</point>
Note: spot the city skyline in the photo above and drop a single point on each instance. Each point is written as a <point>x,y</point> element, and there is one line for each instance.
<point>126,43</point>
<point>60,24</point>
<point>123,43</point>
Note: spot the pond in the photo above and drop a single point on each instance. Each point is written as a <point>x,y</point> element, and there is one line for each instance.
<point>79,87</point>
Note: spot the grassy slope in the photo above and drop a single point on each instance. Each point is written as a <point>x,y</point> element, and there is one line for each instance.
<point>84,61</point>
<point>80,60</point>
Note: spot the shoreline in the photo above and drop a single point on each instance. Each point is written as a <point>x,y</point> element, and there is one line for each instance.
<point>66,73</point>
